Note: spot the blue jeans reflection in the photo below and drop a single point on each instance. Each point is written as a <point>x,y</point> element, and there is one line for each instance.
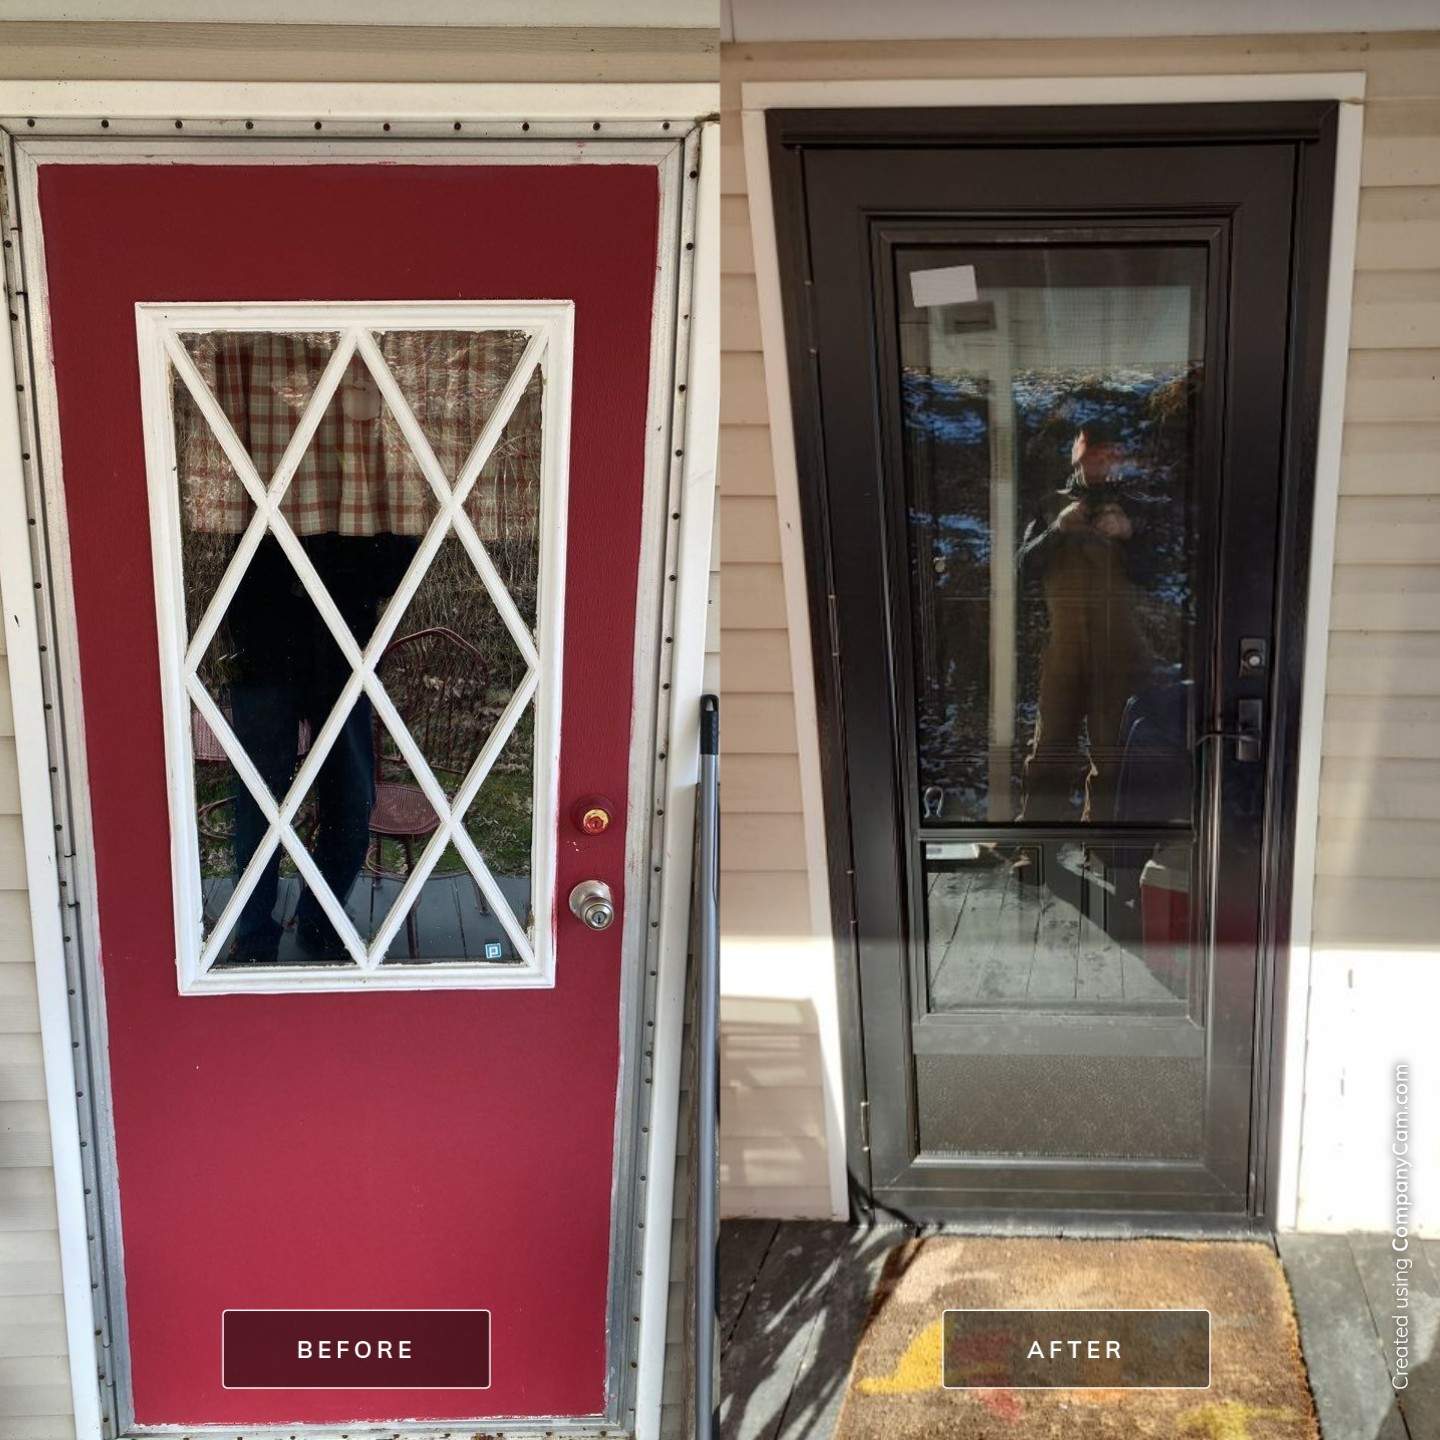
<point>287,671</point>
<point>267,721</point>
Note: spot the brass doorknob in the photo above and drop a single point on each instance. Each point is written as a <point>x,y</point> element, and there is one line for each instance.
<point>593,905</point>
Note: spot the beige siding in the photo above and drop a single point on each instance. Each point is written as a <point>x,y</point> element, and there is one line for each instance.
<point>34,1384</point>
<point>1380,796</point>
<point>34,1372</point>
<point>772,1148</point>
<point>387,53</point>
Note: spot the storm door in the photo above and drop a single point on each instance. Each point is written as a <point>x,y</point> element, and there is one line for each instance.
<point>1049,450</point>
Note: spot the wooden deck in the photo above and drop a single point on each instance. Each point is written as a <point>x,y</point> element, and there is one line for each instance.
<point>1344,1299</point>
<point>794,1296</point>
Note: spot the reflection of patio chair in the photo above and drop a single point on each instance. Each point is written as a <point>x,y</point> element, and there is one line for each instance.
<point>431,677</point>
<point>206,749</point>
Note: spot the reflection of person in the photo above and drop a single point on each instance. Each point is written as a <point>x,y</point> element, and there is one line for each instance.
<point>289,671</point>
<point>1084,554</point>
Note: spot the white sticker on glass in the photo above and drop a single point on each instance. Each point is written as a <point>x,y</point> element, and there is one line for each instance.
<point>952,285</point>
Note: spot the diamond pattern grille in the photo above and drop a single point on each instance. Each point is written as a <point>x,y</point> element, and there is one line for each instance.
<point>264,517</point>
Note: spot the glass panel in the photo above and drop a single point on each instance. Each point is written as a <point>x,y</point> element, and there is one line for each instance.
<point>451,674</point>
<point>1050,431</point>
<point>216,786</point>
<point>276,719</point>
<point>451,687</point>
<point>215,507</point>
<point>390,828</point>
<point>453,666</point>
<point>451,380</point>
<point>1052,943</point>
<point>1059,926</point>
<point>504,507</point>
<point>500,819</point>
<point>263,381</point>
<point>451,904</point>
<point>359,503</point>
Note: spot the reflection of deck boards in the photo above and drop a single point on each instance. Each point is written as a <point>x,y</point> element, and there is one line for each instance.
<point>999,928</point>
<point>454,922</point>
<point>996,939</point>
<point>1054,971</point>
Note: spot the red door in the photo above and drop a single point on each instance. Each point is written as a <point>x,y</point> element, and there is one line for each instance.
<point>351,1107</point>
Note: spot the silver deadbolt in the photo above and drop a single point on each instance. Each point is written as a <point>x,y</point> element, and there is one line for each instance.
<point>592,904</point>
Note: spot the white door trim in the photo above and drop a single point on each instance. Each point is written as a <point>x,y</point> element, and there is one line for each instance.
<point>1346,87</point>
<point>361,103</point>
<point>42,875</point>
<point>681,777</point>
<point>675,548</point>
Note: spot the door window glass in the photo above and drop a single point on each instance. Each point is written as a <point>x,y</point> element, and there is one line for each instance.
<point>1061,925</point>
<point>1068,972</point>
<point>358,523</point>
<point>1050,406</point>
<point>1049,432</point>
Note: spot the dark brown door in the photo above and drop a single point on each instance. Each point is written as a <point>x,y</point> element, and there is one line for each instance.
<point>1054,405</point>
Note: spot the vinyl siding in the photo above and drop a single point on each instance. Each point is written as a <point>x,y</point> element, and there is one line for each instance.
<point>62,50</point>
<point>34,1376</point>
<point>34,1369</point>
<point>772,1144</point>
<point>1379,839</point>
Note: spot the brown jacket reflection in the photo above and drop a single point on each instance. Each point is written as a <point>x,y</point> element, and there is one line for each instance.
<point>1094,659</point>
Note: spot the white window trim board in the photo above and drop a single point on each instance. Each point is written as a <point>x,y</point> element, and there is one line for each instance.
<point>549,325</point>
<point>756,97</point>
<point>673,548</point>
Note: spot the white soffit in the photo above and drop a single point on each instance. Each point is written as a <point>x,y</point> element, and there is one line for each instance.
<point>757,21</point>
<point>589,14</point>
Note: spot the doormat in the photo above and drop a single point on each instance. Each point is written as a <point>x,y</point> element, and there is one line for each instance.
<point>1258,1389</point>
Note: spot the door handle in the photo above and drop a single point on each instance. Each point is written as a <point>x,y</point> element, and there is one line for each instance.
<point>1250,730</point>
<point>592,904</point>
<point>1248,734</point>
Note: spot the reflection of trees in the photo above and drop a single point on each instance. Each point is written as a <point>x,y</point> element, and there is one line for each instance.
<point>1154,410</point>
<point>947,459</point>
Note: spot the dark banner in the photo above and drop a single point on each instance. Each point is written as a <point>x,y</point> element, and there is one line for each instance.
<point>355,1349</point>
<point>1075,1349</point>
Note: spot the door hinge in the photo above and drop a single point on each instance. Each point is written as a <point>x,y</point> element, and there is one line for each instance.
<point>865,1126</point>
<point>834,627</point>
